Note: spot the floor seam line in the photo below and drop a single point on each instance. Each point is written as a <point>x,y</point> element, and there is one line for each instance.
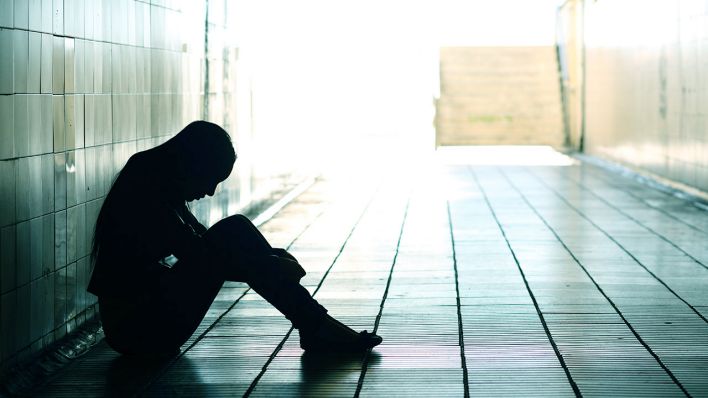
<point>639,199</point>
<point>662,237</point>
<point>287,335</point>
<point>612,303</point>
<point>573,384</point>
<point>365,362</point>
<point>463,354</point>
<point>636,260</point>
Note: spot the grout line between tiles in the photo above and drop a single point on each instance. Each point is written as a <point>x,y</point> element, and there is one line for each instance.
<point>365,362</point>
<point>280,345</point>
<point>662,237</point>
<point>561,360</point>
<point>612,303</point>
<point>610,237</point>
<point>598,171</point>
<point>463,357</point>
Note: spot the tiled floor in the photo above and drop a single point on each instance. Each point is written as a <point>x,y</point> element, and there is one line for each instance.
<point>483,281</point>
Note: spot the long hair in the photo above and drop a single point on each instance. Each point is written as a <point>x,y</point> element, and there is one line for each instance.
<point>202,146</point>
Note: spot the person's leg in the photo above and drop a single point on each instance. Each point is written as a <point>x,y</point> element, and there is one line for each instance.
<point>161,318</point>
<point>318,331</point>
<point>256,263</point>
<point>173,311</point>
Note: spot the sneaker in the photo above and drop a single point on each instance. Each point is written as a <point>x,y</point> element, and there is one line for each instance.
<point>313,342</point>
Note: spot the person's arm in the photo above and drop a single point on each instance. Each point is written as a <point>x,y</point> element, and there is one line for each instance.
<point>161,231</point>
<point>284,254</point>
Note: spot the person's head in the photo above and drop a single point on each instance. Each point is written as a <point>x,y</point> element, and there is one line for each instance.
<point>205,157</point>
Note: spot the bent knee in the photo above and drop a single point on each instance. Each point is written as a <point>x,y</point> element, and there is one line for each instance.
<point>241,218</point>
<point>241,222</point>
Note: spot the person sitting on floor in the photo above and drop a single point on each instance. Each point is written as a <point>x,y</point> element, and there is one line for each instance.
<point>156,269</point>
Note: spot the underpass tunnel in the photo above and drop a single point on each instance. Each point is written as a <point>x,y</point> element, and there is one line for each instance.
<point>553,137</point>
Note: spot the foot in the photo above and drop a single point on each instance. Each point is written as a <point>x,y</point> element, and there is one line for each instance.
<point>334,336</point>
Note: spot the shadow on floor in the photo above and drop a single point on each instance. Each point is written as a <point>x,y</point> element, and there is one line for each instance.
<point>324,372</point>
<point>129,375</point>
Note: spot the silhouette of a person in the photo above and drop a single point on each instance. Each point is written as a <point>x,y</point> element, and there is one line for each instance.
<point>157,269</point>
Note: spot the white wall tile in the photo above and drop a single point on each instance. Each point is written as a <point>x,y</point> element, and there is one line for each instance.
<point>89,120</point>
<point>34,64</point>
<point>116,75</point>
<point>7,78</point>
<point>74,122</point>
<point>46,59</point>
<point>8,312</point>
<point>106,21</point>
<point>47,10</point>
<point>60,239</point>
<point>69,65</point>
<point>21,11</point>
<point>36,310</point>
<point>36,247</point>
<point>71,233</point>
<point>79,121</point>
<point>8,278</point>
<point>97,64</point>
<point>139,22</point>
<point>92,164</point>
<point>48,243</point>
<point>58,65</point>
<point>21,125</point>
<point>47,305</point>
<point>20,55</point>
<point>131,22</point>
<point>46,199</point>
<point>79,66</point>
<point>69,18</point>
<point>46,137</point>
<point>22,190</point>
<point>34,129</point>
<point>35,15</point>
<point>82,278</point>
<point>69,123</point>
<point>58,123</point>
<point>106,116</point>
<point>79,18</point>
<point>71,291</point>
<point>82,245</point>
<point>130,69</point>
<point>7,126</point>
<point>89,17</point>
<point>140,70</point>
<point>22,322</point>
<point>36,206</point>
<point>59,309</point>
<point>8,15</point>
<point>106,60</point>
<point>23,266</point>
<point>88,67</point>
<point>60,181</point>
<point>105,172</point>
<point>58,17</point>
<point>75,177</point>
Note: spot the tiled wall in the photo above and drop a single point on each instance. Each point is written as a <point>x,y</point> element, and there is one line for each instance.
<point>84,84</point>
<point>647,86</point>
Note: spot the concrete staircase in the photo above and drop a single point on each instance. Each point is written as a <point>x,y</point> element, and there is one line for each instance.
<point>498,95</point>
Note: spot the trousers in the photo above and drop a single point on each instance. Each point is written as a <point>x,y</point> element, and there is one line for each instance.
<point>163,317</point>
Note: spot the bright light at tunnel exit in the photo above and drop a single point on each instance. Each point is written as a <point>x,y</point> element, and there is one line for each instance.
<point>329,75</point>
